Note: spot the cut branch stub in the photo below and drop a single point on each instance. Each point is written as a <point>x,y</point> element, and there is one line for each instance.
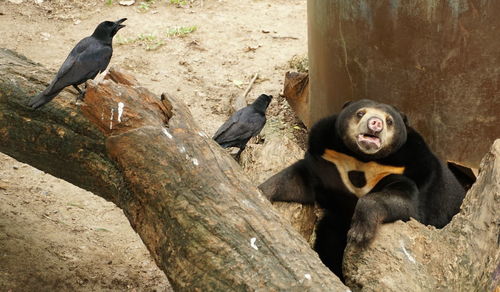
<point>121,77</point>
<point>115,108</point>
<point>296,92</point>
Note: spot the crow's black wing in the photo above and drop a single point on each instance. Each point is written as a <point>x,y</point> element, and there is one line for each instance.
<point>242,126</point>
<point>230,122</point>
<point>256,122</point>
<point>85,61</point>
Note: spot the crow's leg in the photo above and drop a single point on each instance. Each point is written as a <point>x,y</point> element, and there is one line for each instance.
<point>239,153</point>
<point>81,94</point>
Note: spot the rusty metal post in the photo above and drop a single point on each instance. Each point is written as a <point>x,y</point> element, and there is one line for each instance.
<point>436,60</point>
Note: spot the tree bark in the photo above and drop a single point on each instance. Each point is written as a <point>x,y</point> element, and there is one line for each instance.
<point>266,159</point>
<point>296,92</point>
<point>204,222</point>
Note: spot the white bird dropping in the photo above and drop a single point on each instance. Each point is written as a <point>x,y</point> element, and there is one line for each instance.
<point>165,131</point>
<point>121,105</point>
<point>252,243</point>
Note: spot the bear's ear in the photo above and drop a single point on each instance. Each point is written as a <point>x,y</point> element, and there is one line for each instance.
<point>405,119</point>
<point>346,104</point>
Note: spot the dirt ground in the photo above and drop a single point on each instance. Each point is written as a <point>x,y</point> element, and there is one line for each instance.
<point>57,237</point>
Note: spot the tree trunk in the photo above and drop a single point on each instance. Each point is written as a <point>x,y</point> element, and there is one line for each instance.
<point>205,223</point>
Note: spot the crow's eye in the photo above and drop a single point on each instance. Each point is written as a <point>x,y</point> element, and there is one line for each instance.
<point>360,114</point>
<point>389,121</point>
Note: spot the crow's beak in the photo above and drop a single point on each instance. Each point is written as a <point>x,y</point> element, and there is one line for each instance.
<point>119,24</point>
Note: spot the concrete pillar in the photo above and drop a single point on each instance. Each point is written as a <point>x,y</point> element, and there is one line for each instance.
<point>436,60</point>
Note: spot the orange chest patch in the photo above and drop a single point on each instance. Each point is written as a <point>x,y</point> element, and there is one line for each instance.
<point>373,172</point>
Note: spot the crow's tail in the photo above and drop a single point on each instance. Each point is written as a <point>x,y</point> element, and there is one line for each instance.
<point>42,99</point>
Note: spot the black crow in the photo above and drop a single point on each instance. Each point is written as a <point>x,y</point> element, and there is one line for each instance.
<point>243,124</point>
<point>87,59</point>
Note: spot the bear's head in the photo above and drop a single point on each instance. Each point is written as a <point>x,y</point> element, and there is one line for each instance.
<point>371,129</point>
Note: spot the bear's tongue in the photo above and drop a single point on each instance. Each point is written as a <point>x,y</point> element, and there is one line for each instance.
<point>369,141</point>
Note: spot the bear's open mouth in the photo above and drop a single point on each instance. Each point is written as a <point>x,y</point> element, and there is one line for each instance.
<point>369,141</point>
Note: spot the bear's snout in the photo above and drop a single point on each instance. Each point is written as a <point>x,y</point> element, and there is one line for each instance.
<point>375,124</point>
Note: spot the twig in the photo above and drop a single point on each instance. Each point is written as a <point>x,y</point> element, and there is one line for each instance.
<point>240,101</point>
<point>250,85</point>
<point>285,37</point>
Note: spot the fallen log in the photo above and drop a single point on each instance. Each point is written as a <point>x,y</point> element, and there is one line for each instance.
<point>205,223</point>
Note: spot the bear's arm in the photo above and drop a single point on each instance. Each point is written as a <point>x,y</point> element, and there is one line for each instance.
<point>292,184</point>
<point>394,198</point>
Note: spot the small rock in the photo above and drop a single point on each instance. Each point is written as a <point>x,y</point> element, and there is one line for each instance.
<point>200,94</point>
<point>252,48</point>
<point>127,2</point>
<point>45,36</point>
<point>15,167</point>
<point>76,22</point>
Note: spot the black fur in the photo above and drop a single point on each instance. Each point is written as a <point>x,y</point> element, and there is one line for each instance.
<point>426,191</point>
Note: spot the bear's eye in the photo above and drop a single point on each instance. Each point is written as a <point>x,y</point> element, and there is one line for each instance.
<point>360,114</point>
<point>388,121</point>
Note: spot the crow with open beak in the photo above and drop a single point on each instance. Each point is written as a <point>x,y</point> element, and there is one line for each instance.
<point>88,58</point>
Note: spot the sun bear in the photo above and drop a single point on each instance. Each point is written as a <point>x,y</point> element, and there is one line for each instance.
<point>366,166</point>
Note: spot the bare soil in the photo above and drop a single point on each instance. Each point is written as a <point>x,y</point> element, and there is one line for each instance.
<point>57,237</point>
